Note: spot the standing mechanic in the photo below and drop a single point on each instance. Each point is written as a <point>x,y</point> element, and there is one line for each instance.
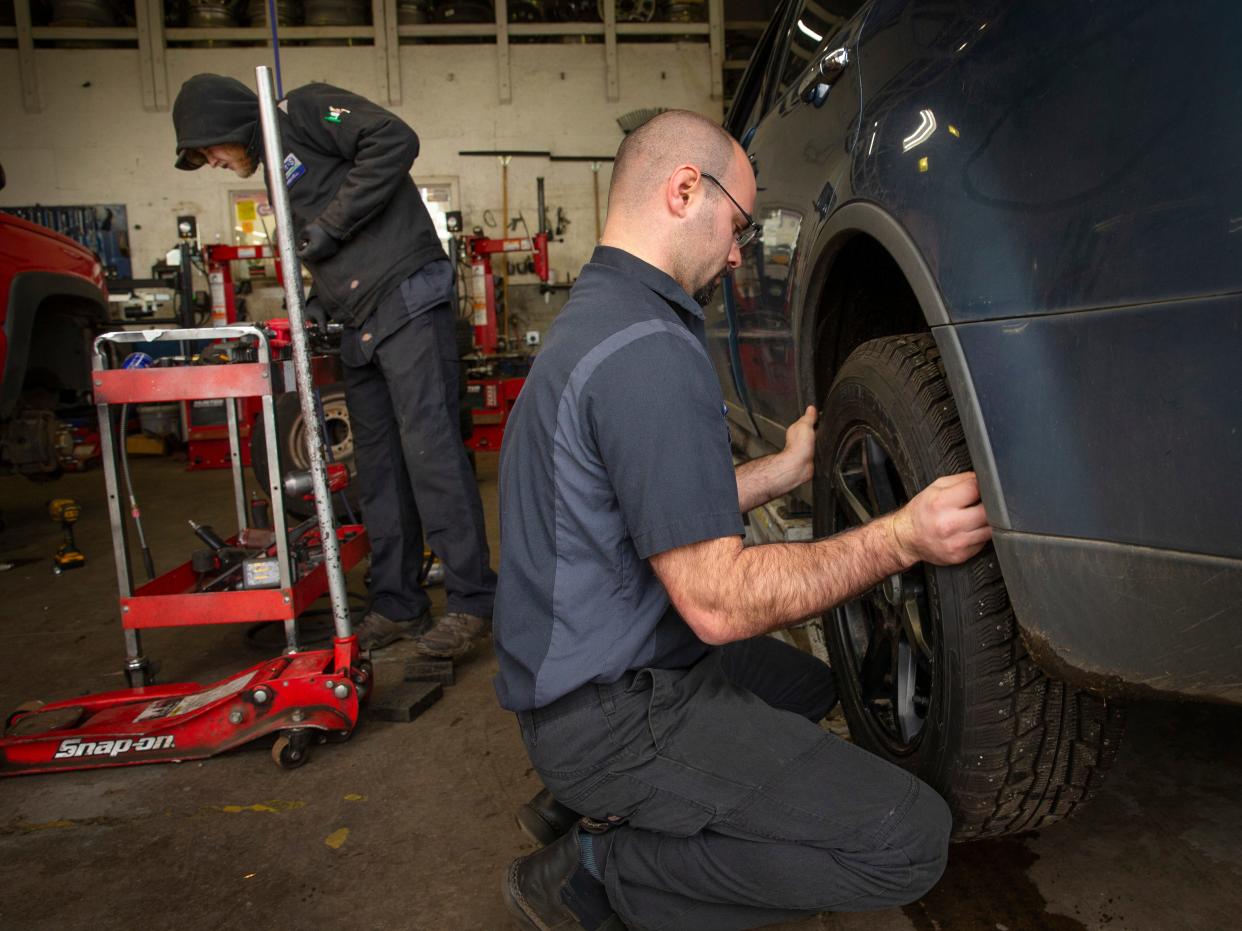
<point>630,618</point>
<point>378,268</point>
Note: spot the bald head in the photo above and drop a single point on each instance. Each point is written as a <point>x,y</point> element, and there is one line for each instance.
<point>649,154</point>
<point>667,205</point>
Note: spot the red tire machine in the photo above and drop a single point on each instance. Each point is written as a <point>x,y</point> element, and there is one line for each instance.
<point>493,396</point>
<point>303,696</point>
<point>206,433</point>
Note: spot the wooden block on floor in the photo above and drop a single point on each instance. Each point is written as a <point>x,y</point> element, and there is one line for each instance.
<point>424,669</point>
<point>403,701</point>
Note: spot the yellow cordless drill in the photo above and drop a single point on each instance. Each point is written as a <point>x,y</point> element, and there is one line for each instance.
<point>66,511</point>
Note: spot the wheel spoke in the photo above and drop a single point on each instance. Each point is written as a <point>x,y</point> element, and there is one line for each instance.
<point>879,478</point>
<point>853,504</point>
<point>875,666</point>
<point>913,626</point>
<point>904,671</point>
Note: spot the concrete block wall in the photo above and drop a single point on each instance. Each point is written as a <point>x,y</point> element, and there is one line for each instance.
<point>94,143</point>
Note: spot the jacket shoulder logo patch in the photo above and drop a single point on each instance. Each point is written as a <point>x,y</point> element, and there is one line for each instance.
<point>294,169</point>
<point>334,114</point>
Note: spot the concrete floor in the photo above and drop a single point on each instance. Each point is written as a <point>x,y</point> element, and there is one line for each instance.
<point>410,825</point>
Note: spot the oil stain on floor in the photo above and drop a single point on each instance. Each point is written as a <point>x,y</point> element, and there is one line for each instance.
<point>987,887</point>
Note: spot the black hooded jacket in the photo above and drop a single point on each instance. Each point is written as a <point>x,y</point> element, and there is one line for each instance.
<point>346,166</point>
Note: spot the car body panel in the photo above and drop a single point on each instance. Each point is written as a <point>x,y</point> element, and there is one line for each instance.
<point>1058,189</point>
<point>52,301</point>
<point>1080,159</point>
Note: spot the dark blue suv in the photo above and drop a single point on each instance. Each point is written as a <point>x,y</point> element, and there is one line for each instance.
<point>1007,236</point>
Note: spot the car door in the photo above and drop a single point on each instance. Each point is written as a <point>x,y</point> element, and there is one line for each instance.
<point>799,146</point>
<point>720,314</point>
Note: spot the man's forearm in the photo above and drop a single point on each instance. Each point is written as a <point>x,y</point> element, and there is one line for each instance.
<point>775,585</point>
<point>761,480</point>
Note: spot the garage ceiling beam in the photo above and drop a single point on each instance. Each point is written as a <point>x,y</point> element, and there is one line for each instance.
<point>503,76</point>
<point>386,32</point>
<point>387,49</point>
<point>715,38</point>
<point>25,57</point>
<point>612,84</point>
<point>152,60</point>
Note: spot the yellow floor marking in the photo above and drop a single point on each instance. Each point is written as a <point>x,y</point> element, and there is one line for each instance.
<point>46,825</point>
<point>355,797</point>
<point>272,805</point>
<point>336,838</point>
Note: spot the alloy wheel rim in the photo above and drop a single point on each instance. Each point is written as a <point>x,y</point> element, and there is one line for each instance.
<point>886,631</point>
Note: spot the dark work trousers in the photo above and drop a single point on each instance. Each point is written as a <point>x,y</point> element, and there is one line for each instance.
<point>739,810</point>
<point>413,473</point>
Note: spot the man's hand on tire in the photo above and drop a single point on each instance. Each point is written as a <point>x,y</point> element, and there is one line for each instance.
<point>945,523</point>
<point>316,244</point>
<point>800,448</point>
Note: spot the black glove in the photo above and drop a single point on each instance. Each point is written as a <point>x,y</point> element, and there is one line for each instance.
<point>314,312</point>
<point>316,243</point>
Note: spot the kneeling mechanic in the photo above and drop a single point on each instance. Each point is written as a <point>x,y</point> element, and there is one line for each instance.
<point>629,617</point>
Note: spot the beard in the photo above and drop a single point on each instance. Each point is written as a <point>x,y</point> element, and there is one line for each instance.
<point>703,296</point>
<point>247,167</point>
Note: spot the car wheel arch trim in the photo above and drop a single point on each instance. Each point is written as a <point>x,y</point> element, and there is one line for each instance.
<point>866,218</point>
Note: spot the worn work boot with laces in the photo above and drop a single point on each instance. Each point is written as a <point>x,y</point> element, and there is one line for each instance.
<point>550,890</point>
<point>375,631</point>
<point>453,635</point>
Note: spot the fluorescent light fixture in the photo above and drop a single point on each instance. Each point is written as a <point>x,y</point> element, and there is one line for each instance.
<point>927,126</point>
<point>802,27</point>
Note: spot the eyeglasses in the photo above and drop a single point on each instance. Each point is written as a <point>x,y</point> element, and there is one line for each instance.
<point>751,230</point>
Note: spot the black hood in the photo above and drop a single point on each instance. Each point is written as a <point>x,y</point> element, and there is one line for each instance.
<point>211,109</point>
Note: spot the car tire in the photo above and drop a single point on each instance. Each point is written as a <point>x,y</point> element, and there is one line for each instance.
<point>291,440</point>
<point>930,665</point>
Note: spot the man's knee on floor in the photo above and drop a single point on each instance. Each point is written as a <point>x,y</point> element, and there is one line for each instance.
<point>907,861</point>
<point>924,839</point>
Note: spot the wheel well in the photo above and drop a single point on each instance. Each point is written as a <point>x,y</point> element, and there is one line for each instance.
<point>865,296</point>
<point>58,357</point>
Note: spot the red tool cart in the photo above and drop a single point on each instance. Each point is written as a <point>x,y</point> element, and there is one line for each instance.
<point>278,573</point>
<point>274,592</point>
<point>262,573</point>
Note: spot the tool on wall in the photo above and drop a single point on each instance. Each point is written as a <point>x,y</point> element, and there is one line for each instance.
<point>596,163</point>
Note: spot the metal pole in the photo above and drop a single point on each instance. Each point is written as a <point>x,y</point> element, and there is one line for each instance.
<point>273,162</point>
<point>543,217</point>
<point>595,166</point>
<point>504,256</point>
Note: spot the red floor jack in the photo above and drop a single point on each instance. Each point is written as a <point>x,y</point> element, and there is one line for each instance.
<point>304,697</point>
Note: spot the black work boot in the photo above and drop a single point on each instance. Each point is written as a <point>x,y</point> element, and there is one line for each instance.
<point>549,890</point>
<point>543,819</point>
<point>375,631</point>
<point>454,635</point>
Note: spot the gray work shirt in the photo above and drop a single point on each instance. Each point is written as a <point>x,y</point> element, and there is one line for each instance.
<point>616,450</point>
<point>430,286</point>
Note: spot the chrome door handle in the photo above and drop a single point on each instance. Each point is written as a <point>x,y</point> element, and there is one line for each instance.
<point>827,68</point>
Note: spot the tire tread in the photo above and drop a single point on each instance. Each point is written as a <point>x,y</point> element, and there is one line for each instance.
<point>1038,747</point>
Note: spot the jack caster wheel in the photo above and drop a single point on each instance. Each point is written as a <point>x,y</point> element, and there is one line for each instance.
<point>291,749</point>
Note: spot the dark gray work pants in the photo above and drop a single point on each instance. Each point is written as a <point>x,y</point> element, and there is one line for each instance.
<point>413,473</point>
<point>740,811</point>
